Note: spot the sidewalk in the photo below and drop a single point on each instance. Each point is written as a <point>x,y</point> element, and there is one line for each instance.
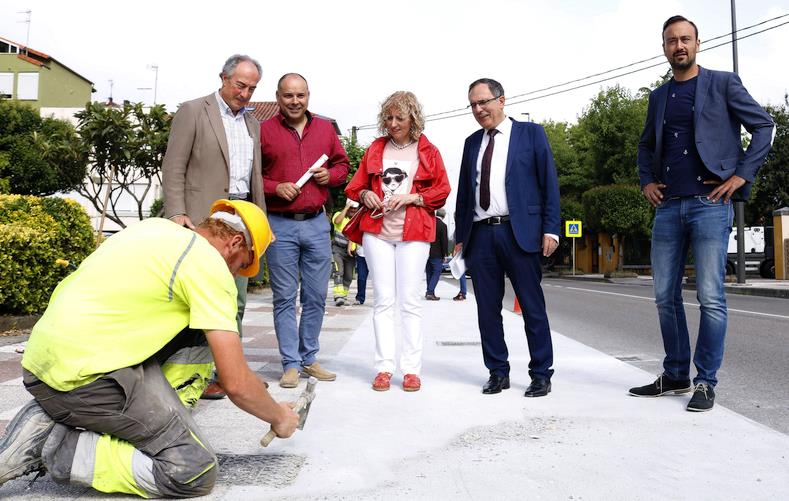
<point>751,287</point>
<point>586,440</point>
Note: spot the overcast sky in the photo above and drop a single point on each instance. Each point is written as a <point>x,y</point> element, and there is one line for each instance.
<point>355,53</point>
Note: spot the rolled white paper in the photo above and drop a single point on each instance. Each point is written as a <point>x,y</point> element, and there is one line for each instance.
<point>307,175</point>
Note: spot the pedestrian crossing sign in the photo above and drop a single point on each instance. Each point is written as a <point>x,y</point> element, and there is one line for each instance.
<point>572,229</point>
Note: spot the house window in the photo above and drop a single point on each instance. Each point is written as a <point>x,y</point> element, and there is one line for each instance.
<point>6,85</point>
<point>27,86</point>
<point>6,48</point>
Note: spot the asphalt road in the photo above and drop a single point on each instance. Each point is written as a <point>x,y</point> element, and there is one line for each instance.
<point>621,320</point>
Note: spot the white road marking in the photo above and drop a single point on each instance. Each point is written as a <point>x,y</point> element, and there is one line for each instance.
<point>759,313</point>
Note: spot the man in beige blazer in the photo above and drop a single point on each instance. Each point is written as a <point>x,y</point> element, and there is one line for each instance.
<point>214,152</point>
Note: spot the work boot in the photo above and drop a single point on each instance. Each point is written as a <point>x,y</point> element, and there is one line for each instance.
<point>315,370</point>
<point>290,379</point>
<point>20,447</point>
<point>213,391</point>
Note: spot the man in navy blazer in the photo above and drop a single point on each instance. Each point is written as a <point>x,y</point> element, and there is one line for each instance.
<point>691,164</point>
<point>506,217</point>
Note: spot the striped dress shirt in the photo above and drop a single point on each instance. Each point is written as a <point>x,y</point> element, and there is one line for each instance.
<point>239,145</point>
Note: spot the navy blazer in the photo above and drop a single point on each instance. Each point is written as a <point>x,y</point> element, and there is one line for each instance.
<point>530,181</point>
<point>722,104</point>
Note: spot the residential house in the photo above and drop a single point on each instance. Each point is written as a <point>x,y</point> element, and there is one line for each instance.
<point>45,83</point>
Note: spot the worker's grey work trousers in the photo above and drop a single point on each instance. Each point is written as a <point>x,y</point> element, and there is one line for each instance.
<point>135,404</point>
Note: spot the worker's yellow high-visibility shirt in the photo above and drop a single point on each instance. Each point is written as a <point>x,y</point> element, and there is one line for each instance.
<point>127,300</point>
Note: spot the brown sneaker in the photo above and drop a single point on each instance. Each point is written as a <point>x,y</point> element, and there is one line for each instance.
<point>290,379</point>
<point>411,382</point>
<point>315,370</point>
<point>381,381</point>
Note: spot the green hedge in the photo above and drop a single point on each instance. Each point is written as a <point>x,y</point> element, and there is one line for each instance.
<point>34,233</point>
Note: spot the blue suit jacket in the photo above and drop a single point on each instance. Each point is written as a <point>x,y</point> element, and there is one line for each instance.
<point>722,104</point>
<point>530,181</point>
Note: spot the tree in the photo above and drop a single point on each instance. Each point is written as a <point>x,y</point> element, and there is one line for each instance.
<point>607,134</point>
<point>125,148</point>
<point>620,210</point>
<point>572,178</point>
<point>35,157</point>
<point>355,153</point>
<point>771,189</point>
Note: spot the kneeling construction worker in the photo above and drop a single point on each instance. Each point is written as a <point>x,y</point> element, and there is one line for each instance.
<point>126,347</point>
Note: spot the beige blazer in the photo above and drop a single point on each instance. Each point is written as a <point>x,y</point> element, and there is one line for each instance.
<point>195,169</point>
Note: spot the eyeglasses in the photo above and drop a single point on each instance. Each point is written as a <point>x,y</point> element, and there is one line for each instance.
<point>482,103</point>
<point>394,177</point>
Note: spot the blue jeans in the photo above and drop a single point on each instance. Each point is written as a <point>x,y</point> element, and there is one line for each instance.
<point>704,226</point>
<point>463,287</point>
<point>433,273</point>
<point>301,252</point>
<point>361,279</point>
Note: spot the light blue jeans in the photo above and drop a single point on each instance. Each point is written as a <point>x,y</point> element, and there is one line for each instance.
<point>703,226</point>
<point>301,253</point>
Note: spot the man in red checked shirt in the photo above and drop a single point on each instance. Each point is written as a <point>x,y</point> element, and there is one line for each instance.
<point>291,142</point>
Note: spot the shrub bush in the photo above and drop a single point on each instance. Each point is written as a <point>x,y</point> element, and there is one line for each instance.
<point>34,233</point>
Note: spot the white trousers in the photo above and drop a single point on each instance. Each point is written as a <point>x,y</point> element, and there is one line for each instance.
<point>397,270</point>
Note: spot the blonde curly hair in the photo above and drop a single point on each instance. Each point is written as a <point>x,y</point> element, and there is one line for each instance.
<point>406,103</point>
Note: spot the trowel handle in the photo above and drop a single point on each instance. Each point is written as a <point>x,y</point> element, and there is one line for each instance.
<point>268,438</point>
<point>301,402</point>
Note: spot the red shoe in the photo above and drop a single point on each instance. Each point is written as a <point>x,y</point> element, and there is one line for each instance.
<point>213,392</point>
<point>411,382</point>
<point>381,382</point>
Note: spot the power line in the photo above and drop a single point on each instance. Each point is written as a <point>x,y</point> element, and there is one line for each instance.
<point>458,112</point>
<point>601,80</point>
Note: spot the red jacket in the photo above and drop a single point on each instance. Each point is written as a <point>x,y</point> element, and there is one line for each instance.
<point>430,181</point>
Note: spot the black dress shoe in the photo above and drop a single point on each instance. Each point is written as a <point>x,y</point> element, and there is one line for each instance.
<point>495,384</point>
<point>538,388</point>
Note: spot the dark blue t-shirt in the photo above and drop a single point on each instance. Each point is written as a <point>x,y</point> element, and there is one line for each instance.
<point>683,170</point>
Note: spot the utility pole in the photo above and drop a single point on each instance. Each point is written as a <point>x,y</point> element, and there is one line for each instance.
<point>739,205</point>
<point>111,85</point>
<point>353,133</point>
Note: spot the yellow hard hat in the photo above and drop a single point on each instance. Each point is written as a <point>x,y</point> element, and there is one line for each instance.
<point>256,223</point>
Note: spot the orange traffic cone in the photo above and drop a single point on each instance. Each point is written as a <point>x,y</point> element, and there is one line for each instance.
<point>517,307</point>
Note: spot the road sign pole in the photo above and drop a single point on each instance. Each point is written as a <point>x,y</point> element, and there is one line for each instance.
<point>573,256</point>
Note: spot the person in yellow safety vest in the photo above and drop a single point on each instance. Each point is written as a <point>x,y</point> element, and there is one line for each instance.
<point>343,253</point>
<point>127,344</point>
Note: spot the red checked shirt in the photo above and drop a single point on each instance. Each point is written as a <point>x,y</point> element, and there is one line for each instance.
<point>286,157</point>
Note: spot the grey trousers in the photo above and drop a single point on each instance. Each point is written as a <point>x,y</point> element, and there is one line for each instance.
<point>135,404</point>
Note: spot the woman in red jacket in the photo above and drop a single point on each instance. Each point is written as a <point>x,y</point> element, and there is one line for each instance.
<point>402,181</point>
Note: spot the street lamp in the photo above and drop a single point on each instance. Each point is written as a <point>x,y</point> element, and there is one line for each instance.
<point>528,116</point>
<point>155,69</point>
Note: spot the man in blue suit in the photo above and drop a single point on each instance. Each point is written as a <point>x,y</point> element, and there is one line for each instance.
<point>506,217</point>
<point>691,164</point>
